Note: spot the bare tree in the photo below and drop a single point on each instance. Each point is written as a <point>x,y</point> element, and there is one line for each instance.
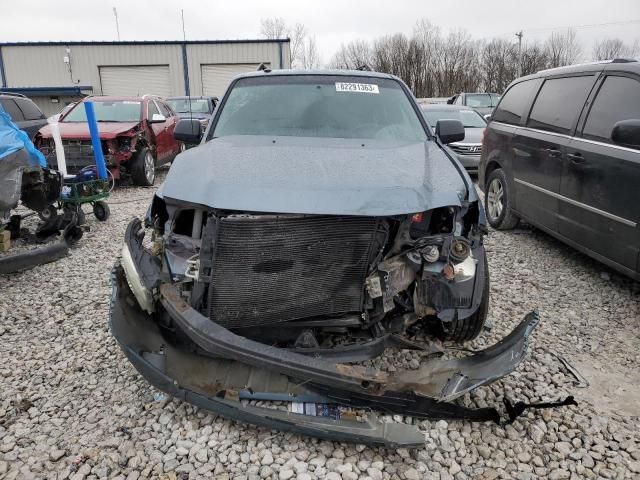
<point>610,48</point>
<point>352,56</point>
<point>275,28</point>
<point>310,58</point>
<point>563,48</point>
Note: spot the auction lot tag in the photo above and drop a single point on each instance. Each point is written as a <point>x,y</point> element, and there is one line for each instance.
<point>357,87</point>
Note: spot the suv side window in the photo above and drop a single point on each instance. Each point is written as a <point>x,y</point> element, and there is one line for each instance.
<point>30,110</point>
<point>12,109</point>
<point>515,102</point>
<point>618,99</point>
<point>152,109</point>
<point>559,103</point>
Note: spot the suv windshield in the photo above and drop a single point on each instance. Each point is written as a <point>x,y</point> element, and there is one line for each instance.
<point>181,105</point>
<point>333,106</point>
<point>469,118</point>
<point>107,111</point>
<point>479,100</point>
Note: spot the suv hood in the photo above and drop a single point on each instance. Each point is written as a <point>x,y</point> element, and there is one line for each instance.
<point>80,130</point>
<point>316,176</point>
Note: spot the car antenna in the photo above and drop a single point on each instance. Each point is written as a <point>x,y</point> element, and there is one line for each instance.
<point>188,88</point>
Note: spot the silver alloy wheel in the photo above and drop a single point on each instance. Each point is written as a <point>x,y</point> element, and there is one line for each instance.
<point>183,147</point>
<point>149,168</point>
<point>495,203</point>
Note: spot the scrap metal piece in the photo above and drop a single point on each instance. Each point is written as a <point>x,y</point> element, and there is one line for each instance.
<point>580,381</point>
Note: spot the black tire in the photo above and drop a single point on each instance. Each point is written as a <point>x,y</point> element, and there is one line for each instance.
<point>48,213</point>
<point>470,327</point>
<point>143,167</point>
<point>101,211</point>
<point>498,200</point>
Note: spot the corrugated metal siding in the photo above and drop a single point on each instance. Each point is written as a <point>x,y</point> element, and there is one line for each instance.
<point>25,64</point>
<point>246,53</point>
<point>216,78</point>
<point>152,79</point>
<point>43,65</point>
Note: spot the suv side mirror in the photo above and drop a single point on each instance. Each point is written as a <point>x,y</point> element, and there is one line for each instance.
<point>449,131</point>
<point>626,132</point>
<point>188,130</point>
<point>157,118</point>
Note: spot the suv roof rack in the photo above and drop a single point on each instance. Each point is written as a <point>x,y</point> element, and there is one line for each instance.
<point>12,94</point>
<point>597,62</point>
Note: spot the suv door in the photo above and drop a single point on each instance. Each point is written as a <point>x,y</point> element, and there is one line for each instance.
<point>601,179</point>
<point>159,130</point>
<point>173,146</point>
<point>539,146</point>
<point>34,119</point>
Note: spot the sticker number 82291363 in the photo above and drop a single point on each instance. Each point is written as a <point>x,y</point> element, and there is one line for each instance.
<point>357,87</point>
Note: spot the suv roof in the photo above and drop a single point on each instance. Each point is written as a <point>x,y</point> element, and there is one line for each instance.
<point>11,94</point>
<point>444,106</point>
<point>624,64</point>
<point>341,73</point>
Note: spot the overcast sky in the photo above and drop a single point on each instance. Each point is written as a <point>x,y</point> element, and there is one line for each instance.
<point>332,22</point>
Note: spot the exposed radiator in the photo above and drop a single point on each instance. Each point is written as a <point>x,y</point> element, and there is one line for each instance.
<point>276,268</point>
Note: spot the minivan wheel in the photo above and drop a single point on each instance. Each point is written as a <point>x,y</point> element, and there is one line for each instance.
<point>143,168</point>
<point>497,201</point>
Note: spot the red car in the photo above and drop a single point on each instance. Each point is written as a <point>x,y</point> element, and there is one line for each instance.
<point>136,135</point>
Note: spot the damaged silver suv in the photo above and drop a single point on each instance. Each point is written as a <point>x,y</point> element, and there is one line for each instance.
<point>319,222</point>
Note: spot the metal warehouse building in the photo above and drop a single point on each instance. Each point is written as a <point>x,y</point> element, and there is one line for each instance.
<point>55,73</point>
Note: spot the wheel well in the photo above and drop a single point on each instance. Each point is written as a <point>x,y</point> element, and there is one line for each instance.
<point>491,166</point>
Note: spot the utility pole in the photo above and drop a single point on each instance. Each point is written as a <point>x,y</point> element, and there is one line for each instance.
<point>519,35</point>
<point>115,14</point>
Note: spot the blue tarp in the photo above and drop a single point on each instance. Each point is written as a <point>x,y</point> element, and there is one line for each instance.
<point>13,139</point>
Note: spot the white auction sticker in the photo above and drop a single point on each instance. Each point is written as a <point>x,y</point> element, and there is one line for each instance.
<point>357,87</point>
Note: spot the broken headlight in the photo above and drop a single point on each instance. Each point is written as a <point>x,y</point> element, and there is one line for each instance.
<point>143,294</point>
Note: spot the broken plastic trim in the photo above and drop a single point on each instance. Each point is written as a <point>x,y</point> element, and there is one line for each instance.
<point>218,384</point>
<point>39,256</point>
<point>437,379</point>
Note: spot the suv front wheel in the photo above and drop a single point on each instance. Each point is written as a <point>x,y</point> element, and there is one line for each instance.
<point>143,168</point>
<point>497,201</point>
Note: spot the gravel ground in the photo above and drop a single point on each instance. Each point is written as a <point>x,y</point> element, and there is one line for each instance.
<point>71,406</point>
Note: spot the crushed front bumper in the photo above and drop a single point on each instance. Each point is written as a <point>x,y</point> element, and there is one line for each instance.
<point>220,371</point>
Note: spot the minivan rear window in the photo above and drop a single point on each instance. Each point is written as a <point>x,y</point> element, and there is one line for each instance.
<point>617,100</point>
<point>559,103</point>
<point>515,102</point>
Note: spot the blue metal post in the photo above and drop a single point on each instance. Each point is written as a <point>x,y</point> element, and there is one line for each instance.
<point>95,140</point>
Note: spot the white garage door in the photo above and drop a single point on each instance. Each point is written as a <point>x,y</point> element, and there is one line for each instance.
<point>216,77</point>
<point>135,81</point>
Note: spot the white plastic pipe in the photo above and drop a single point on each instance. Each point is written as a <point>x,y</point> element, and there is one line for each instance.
<point>57,140</point>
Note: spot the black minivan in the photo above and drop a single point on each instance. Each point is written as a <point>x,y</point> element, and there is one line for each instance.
<point>562,152</point>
